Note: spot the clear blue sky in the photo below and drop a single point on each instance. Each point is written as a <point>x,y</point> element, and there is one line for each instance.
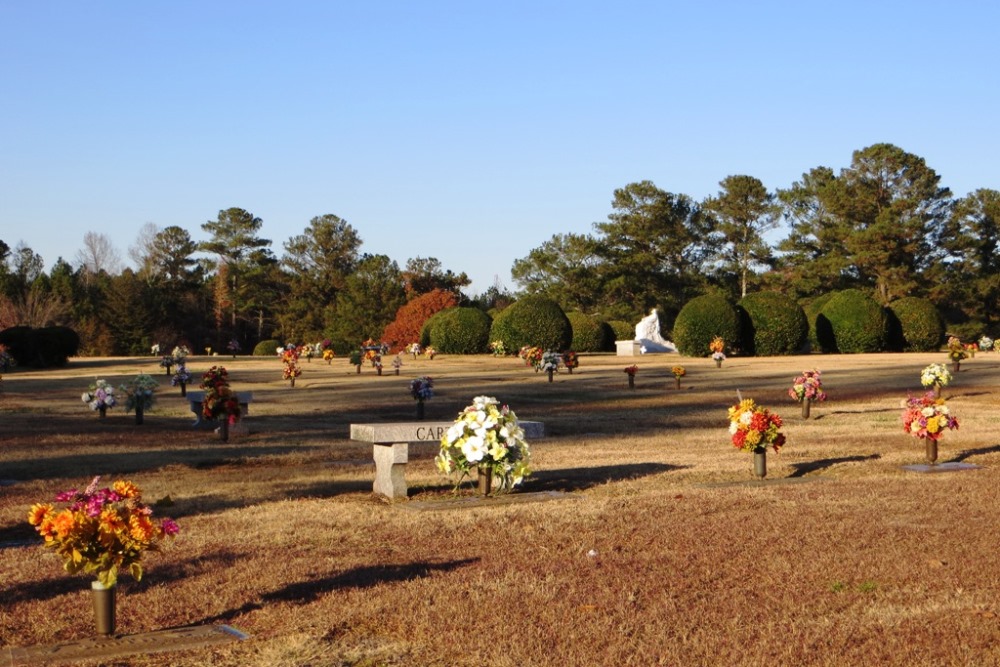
<point>467,131</point>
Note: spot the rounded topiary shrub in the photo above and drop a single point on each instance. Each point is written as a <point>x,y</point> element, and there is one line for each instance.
<point>266,348</point>
<point>533,320</point>
<point>702,319</point>
<point>622,329</point>
<point>43,347</point>
<point>773,324</point>
<point>915,325</point>
<point>812,310</point>
<point>589,333</point>
<point>461,331</point>
<point>425,330</point>
<point>851,322</point>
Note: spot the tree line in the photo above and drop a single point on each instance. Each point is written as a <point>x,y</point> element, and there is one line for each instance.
<point>884,225</point>
<point>231,287</point>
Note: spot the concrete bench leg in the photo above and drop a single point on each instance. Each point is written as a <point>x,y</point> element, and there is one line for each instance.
<point>390,469</point>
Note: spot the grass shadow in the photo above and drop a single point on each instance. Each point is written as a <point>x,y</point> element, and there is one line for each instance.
<point>803,469</point>
<point>305,592</point>
<point>578,479</point>
<point>967,453</point>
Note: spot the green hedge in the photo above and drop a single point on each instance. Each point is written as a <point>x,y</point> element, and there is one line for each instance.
<point>460,331</point>
<point>266,348</point>
<point>915,325</point>
<point>622,329</point>
<point>773,324</point>
<point>43,347</point>
<point>851,322</point>
<point>532,320</point>
<point>702,319</point>
<point>590,334</point>
<point>812,310</point>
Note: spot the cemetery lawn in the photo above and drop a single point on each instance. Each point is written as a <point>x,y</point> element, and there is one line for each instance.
<point>661,550</point>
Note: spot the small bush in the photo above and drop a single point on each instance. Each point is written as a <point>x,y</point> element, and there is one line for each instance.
<point>773,325</point>
<point>915,325</point>
<point>461,331</point>
<point>851,322</point>
<point>266,348</point>
<point>532,320</point>
<point>702,319</point>
<point>590,334</point>
<point>622,329</point>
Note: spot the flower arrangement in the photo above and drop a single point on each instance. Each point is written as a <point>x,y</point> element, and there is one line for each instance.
<point>956,351</point>
<point>155,349</point>
<point>717,347</point>
<point>985,343</point>
<point>570,360</point>
<point>808,387</point>
<point>6,359</point>
<point>532,356</point>
<point>550,361</point>
<point>397,363</point>
<point>754,428</point>
<point>935,374</point>
<point>631,370</point>
<point>486,435</point>
<point>167,362</point>
<point>972,348</point>
<point>180,353</point>
<point>181,376</point>
<point>139,392</point>
<point>234,347</point>
<point>377,363</point>
<point>354,358</point>
<point>422,388</point>
<point>927,417</point>
<point>678,372</point>
<point>370,349</point>
<point>328,355</point>
<point>219,399</point>
<point>430,352</point>
<point>101,530</point>
<point>414,349</point>
<point>498,348</point>
<point>100,396</point>
<point>290,359</point>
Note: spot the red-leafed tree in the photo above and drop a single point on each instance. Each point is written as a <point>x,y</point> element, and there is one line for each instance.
<point>410,318</point>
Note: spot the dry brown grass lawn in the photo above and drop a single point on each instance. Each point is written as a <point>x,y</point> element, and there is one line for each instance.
<point>840,558</point>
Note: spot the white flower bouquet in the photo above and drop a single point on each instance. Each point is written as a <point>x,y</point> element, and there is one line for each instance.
<point>486,435</point>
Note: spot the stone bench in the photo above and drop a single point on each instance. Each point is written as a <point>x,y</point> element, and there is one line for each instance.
<point>196,398</point>
<point>391,448</point>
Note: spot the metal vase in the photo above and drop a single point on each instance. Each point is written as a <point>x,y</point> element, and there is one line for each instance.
<point>806,405</point>
<point>678,382</point>
<point>931,450</point>
<point>631,382</point>
<point>138,413</point>
<point>760,463</point>
<point>224,429</point>
<point>104,607</point>
<point>420,408</point>
<point>184,391</point>
<point>485,480</point>
<point>550,375</point>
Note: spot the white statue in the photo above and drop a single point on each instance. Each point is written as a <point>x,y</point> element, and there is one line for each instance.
<point>647,333</point>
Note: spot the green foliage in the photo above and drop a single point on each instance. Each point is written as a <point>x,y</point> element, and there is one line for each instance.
<point>852,322</point>
<point>915,325</point>
<point>460,331</point>
<point>774,324</point>
<point>590,334</point>
<point>812,310</point>
<point>622,330</point>
<point>41,348</point>
<point>266,348</point>
<point>532,320</point>
<point>702,319</point>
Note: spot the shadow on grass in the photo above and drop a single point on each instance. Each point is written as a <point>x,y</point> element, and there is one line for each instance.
<point>803,469</point>
<point>578,479</point>
<point>75,584</point>
<point>967,453</point>
<point>305,592</point>
<point>216,504</point>
<point>124,462</point>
